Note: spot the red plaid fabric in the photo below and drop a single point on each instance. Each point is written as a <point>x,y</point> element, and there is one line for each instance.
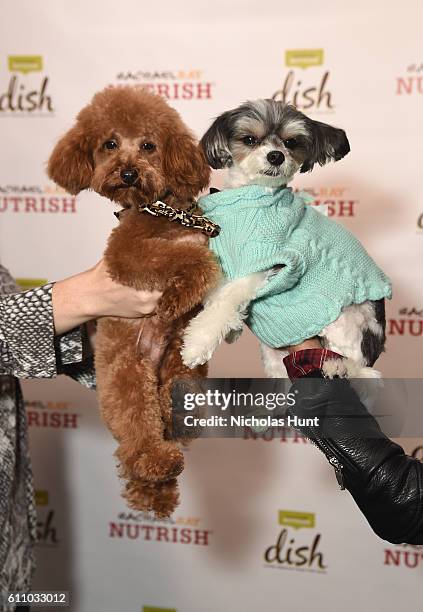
<point>303,362</point>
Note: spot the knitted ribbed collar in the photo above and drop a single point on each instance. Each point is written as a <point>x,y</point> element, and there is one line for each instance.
<point>281,201</point>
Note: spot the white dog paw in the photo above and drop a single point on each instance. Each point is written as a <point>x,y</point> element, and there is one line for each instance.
<point>200,340</point>
<point>193,356</point>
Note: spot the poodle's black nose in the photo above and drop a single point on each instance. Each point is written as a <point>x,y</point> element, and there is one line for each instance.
<point>129,176</point>
<point>276,158</point>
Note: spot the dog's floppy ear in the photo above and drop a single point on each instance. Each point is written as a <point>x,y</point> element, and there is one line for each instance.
<point>328,143</point>
<point>186,169</point>
<point>215,141</point>
<point>70,164</point>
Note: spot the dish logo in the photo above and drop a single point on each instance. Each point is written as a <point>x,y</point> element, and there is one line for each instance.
<point>30,283</point>
<point>305,91</point>
<point>41,498</point>
<point>297,520</point>
<point>46,528</point>
<point>287,552</point>
<point>153,609</point>
<point>26,95</point>
<point>25,63</point>
<point>304,58</point>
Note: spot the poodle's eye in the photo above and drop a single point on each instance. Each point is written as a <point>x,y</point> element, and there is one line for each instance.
<point>250,141</point>
<point>148,146</point>
<point>290,143</point>
<point>110,145</point>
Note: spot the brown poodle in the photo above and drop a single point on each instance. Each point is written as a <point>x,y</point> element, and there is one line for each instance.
<point>131,147</point>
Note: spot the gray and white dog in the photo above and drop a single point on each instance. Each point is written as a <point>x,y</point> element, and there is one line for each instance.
<point>266,142</point>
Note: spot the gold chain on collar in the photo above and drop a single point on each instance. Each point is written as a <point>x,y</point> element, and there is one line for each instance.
<point>184,217</point>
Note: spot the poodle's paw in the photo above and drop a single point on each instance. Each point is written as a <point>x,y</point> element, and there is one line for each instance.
<point>160,498</point>
<point>162,463</point>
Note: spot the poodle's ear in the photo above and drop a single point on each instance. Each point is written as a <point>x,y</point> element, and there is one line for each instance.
<point>328,143</point>
<point>215,141</point>
<point>185,166</point>
<point>71,164</point>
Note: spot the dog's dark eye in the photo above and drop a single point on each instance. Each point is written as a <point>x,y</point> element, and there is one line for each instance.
<point>148,146</point>
<point>110,145</point>
<point>290,143</point>
<point>250,141</point>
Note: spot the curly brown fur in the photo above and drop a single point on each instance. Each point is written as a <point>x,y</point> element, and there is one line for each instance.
<point>137,361</point>
<point>160,498</point>
<point>130,116</point>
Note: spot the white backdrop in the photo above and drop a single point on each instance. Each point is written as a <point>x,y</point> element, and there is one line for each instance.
<point>365,74</point>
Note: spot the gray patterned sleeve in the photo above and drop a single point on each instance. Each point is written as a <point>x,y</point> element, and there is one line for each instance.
<point>75,356</point>
<point>28,346</point>
<point>27,333</point>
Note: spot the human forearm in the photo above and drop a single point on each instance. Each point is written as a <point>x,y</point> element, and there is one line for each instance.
<point>40,329</point>
<point>386,484</point>
<point>93,294</point>
<point>73,302</point>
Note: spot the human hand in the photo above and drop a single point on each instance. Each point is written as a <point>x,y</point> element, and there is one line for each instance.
<point>108,298</point>
<point>93,294</point>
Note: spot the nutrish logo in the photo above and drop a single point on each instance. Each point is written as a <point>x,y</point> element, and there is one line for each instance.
<point>297,545</point>
<point>404,555</point>
<point>282,433</point>
<point>306,82</point>
<point>180,84</point>
<point>337,200</point>
<point>25,92</point>
<point>141,526</point>
<point>36,199</point>
<point>51,414</point>
<point>410,83</point>
<point>409,322</point>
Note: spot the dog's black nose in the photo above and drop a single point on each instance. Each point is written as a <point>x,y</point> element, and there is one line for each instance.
<point>276,158</point>
<point>129,176</point>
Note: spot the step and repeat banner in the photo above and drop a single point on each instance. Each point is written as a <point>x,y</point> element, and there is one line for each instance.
<point>262,524</point>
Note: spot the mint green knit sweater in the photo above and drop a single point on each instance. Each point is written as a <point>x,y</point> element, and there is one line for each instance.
<point>326,267</point>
